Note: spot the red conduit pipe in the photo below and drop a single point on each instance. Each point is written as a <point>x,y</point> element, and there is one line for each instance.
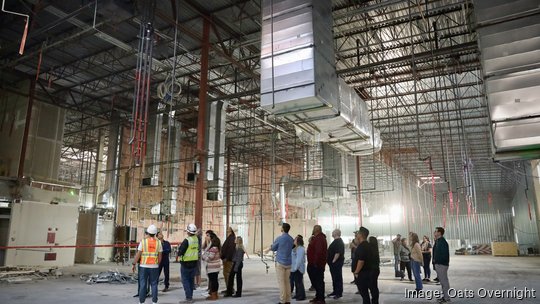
<point>201,123</point>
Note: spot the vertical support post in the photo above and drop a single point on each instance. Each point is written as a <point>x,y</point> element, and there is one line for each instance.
<point>228,200</point>
<point>31,92</point>
<point>98,166</point>
<point>201,124</point>
<point>359,189</point>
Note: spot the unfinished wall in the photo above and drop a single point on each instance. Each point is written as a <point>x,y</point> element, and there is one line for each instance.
<point>12,121</point>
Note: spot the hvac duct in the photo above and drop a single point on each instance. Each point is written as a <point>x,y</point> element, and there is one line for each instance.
<point>109,197</point>
<point>283,198</point>
<point>299,81</point>
<point>509,38</point>
<point>153,157</point>
<point>170,190</point>
<point>215,137</point>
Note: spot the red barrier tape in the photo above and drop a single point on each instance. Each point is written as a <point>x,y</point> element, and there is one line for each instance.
<point>74,246</point>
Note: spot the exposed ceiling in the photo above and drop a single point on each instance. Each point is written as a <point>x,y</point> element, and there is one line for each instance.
<point>415,63</point>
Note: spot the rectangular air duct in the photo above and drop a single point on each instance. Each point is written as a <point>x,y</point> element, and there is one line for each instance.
<point>153,153</point>
<point>299,80</point>
<point>215,143</point>
<point>172,166</point>
<point>509,39</point>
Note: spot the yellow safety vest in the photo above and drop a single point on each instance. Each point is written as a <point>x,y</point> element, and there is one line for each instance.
<point>192,253</point>
<point>150,251</point>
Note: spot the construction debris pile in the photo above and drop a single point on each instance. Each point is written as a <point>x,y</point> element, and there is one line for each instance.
<point>114,277</point>
<point>24,274</point>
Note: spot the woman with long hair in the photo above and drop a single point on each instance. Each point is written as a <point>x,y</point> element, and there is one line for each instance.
<point>213,264</point>
<point>298,268</point>
<point>238,264</point>
<point>426,254</point>
<point>417,260</point>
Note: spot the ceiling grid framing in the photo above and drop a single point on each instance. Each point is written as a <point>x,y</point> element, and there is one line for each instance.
<point>415,63</point>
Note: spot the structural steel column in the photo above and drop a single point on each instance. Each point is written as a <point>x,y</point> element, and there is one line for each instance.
<point>228,199</point>
<point>359,190</point>
<point>201,124</point>
<point>31,92</point>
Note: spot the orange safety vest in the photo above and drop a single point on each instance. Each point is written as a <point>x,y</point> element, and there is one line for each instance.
<point>150,251</point>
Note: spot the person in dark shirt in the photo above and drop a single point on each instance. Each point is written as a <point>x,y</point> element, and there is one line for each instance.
<point>335,259</point>
<point>441,261</point>
<point>375,270</point>
<point>188,255</point>
<point>363,259</point>
<point>227,253</point>
<point>316,256</point>
<point>164,264</point>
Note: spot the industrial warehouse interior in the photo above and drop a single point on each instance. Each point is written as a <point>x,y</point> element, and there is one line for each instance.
<point>118,117</point>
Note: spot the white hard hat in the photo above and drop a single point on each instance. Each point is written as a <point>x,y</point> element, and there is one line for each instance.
<point>191,228</point>
<point>151,229</point>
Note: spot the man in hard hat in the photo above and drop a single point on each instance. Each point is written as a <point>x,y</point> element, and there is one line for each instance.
<point>188,254</point>
<point>149,253</point>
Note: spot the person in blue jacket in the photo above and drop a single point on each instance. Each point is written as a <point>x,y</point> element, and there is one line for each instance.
<point>298,268</point>
<point>164,265</point>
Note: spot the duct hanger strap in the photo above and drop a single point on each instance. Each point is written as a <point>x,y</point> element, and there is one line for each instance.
<point>25,33</point>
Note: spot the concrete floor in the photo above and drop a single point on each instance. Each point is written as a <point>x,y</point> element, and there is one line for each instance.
<point>469,273</point>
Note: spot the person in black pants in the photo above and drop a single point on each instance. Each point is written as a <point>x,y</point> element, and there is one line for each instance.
<point>375,270</point>
<point>426,254</point>
<point>363,260</point>
<point>405,259</point>
<point>164,264</point>
<point>335,259</point>
<point>316,257</point>
<point>238,264</point>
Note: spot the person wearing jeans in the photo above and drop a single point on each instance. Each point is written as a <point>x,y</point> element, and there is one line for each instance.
<point>298,268</point>
<point>188,254</point>
<point>441,262</point>
<point>416,260</point>
<point>426,253</point>
<point>149,255</point>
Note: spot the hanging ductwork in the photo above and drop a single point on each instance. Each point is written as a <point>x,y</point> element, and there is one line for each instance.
<point>299,80</point>
<point>215,137</point>
<point>510,47</point>
<point>108,198</point>
<point>172,167</point>
<point>153,155</point>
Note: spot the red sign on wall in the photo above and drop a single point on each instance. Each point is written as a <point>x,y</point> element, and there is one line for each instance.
<point>50,256</point>
<point>51,237</point>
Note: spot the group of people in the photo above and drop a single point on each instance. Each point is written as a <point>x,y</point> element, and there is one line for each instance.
<point>291,257</point>
<point>413,255</point>
<point>153,257</point>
